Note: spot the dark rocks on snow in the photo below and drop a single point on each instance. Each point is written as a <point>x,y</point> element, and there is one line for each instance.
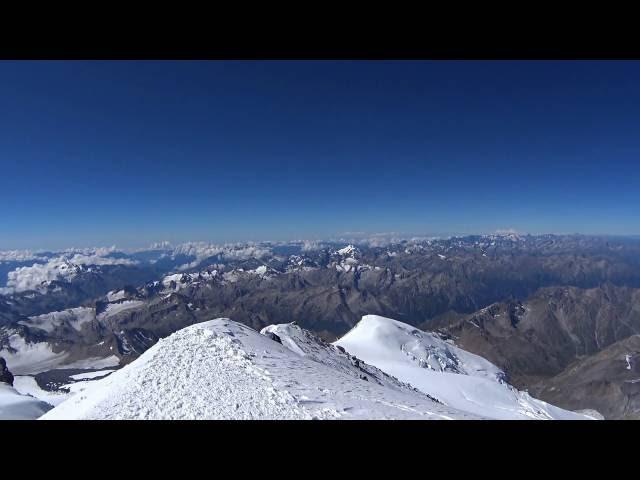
<point>5,375</point>
<point>274,337</point>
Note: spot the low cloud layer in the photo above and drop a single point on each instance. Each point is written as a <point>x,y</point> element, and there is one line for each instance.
<point>507,231</point>
<point>61,267</point>
<point>20,255</point>
<point>202,251</point>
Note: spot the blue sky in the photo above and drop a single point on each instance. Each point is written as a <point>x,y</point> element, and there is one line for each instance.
<point>126,153</point>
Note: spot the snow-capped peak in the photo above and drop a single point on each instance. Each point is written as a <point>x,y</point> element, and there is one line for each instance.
<point>346,259</point>
<point>382,369</point>
<point>437,367</point>
<point>264,271</point>
<point>306,344</point>
<point>300,262</point>
<point>177,281</point>
<point>349,250</point>
<point>261,270</point>
<point>222,369</point>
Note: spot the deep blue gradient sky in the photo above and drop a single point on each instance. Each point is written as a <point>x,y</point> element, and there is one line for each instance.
<point>101,153</point>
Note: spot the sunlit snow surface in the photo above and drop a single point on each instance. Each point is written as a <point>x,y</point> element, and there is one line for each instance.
<point>115,308</point>
<point>14,406</point>
<point>458,378</point>
<point>221,369</point>
<point>27,385</point>
<point>224,370</point>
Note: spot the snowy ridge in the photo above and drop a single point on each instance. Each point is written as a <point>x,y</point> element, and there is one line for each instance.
<point>308,345</point>
<point>224,370</point>
<point>435,366</point>
<point>115,308</point>
<point>300,263</point>
<point>114,296</point>
<point>178,281</point>
<point>221,369</point>
<point>346,259</point>
<point>428,350</point>
<point>264,271</point>
<point>349,250</point>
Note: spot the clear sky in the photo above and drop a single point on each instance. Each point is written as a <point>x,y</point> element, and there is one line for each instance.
<point>126,153</point>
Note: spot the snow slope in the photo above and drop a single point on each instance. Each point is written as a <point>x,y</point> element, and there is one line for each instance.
<point>221,369</point>
<point>74,317</point>
<point>14,406</point>
<point>30,358</point>
<point>308,345</point>
<point>437,367</point>
<point>27,385</point>
<point>121,306</point>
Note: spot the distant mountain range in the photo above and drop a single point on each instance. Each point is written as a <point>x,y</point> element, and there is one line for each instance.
<point>559,315</point>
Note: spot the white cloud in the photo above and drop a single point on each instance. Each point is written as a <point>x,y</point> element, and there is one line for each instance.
<point>164,245</point>
<point>507,231</point>
<point>311,245</point>
<point>63,267</point>
<point>236,251</point>
<point>20,255</point>
<point>44,255</point>
<point>30,278</point>
<point>80,259</point>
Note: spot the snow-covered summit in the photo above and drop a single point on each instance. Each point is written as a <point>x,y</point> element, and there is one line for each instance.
<point>221,369</point>
<point>346,259</point>
<point>348,251</point>
<point>436,366</point>
<point>178,281</point>
<point>265,271</point>
<point>300,263</point>
<point>308,345</point>
<point>387,337</point>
